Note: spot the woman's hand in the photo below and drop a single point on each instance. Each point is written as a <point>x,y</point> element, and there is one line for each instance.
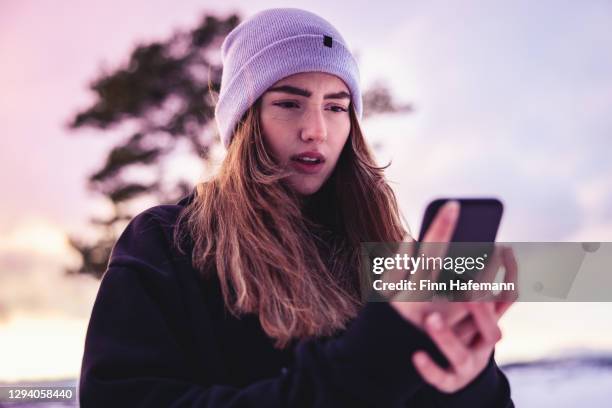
<point>465,333</point>
<point>468,344</point>
<point>466,361</point>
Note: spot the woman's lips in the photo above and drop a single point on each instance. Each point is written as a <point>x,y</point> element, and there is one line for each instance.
<point>305,167</point>
<point>310,162</point>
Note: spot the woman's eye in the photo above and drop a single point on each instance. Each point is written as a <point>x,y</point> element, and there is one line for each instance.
<point>338,109</point>
<point>287,105</point>
<point>293,105</point>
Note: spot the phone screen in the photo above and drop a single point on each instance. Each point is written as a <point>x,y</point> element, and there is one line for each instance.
<point>479,219</point>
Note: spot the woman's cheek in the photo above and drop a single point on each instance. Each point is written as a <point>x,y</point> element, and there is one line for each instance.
<point>341,142</point>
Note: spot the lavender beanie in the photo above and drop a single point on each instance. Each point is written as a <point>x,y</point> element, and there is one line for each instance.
<point>272,45</point>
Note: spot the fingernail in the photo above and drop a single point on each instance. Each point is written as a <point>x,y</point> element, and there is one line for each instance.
<point>451,209</point>
<point>434,321</point>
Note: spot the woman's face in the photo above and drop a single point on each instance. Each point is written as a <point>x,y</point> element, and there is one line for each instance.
<point>305,124</point>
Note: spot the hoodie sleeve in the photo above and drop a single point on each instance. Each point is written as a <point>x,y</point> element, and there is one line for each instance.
<point>134,354</point>
<point>489,389</point>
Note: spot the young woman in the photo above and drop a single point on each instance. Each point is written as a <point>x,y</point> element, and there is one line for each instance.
<point>246,293</point>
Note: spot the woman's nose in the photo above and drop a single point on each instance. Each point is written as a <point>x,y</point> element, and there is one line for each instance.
<point>314,128</point>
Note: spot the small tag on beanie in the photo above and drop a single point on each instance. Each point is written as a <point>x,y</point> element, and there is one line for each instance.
<point>327,41</point>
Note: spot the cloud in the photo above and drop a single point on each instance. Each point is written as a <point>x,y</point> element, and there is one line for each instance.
<point>33,257</point>
<point>511,100</point>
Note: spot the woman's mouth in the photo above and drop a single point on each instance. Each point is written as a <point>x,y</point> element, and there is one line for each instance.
<point>308,162</point>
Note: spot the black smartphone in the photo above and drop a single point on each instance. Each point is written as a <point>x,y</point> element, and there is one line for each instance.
<point>478,222</point>
<point>479,219</point>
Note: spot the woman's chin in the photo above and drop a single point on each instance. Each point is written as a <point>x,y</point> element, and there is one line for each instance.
<point>305,186</point>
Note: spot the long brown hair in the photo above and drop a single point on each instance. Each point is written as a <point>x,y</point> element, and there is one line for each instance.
<point>292,261</point>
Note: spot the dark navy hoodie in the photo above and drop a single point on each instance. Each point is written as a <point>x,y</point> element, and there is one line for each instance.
<point>159,336</point>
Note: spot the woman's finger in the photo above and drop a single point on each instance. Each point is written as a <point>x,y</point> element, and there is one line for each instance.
<point>486,323</point>
<point>448,343</point>
<point>431,372</point>
<point>439,233</point>
<point>492,266</point>
<point>443,225</point>
<point>501,308</point>
<point>505,299</point>
<point>466,330</point>
<point>441,230</point>
<point>452,312</point>
<point>488,275</point>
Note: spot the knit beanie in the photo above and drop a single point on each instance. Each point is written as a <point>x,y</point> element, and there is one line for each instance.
<point>272,45</point>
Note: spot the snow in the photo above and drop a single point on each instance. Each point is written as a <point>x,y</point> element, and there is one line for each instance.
<point>579,381</point>
<point>562,383</point>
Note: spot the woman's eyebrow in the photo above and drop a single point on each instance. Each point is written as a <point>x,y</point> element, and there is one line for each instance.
<point>304,92</point>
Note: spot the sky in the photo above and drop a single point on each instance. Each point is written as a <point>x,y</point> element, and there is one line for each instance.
<point>511,100</point>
